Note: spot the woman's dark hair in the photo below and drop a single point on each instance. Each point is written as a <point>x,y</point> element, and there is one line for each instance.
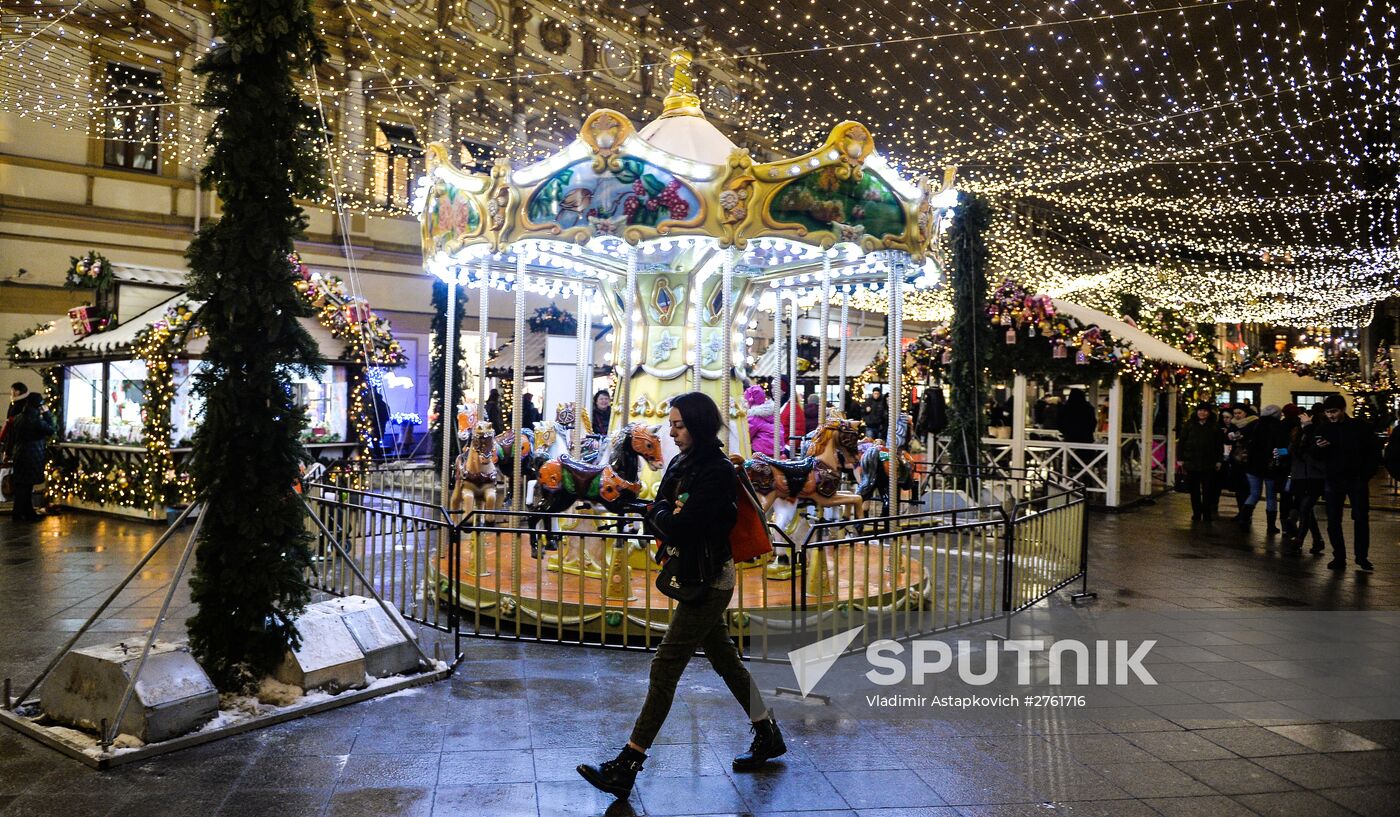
<point>700,415</point>
<point>601,393</point>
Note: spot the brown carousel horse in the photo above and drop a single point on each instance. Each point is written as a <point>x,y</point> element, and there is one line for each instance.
<point>815,477</point>
<point>615,483</point>
<point>475,473</point>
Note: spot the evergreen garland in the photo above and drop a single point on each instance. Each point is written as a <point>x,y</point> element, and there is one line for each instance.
<point>253,548</point>
<point>435,369</point>
<point>969,331</point>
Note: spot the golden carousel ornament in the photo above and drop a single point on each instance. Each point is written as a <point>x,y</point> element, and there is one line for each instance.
<point>681,238</point>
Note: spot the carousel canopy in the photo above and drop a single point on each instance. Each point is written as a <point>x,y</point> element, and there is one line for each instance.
<point>1150,347</point>
<point>676,191</point>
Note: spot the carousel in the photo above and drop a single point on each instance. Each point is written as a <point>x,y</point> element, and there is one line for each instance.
<point>686,244</point>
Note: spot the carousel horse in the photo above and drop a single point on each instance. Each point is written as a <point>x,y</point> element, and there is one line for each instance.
<point>873,472</point>
<point>475,474</point>
<point>815,477</point>
<point>507,453</point>
<point>593,444</point>
<point>615,484</point>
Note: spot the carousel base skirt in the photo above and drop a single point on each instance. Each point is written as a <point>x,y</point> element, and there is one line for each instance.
<point>609,596</point>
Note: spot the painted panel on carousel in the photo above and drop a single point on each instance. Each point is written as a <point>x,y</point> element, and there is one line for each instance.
<point>450,218</point>
<point>851,208</point>
<point>608,200</point>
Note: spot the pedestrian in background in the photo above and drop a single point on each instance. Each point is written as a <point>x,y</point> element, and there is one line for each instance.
<point>32,428</point>
<point>1239,434</point>
<point>1202,447</point>
<point>1305,479</point>
<point>1349,449</point>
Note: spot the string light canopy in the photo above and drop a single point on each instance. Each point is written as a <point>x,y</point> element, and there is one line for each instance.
<point>1220,157</point>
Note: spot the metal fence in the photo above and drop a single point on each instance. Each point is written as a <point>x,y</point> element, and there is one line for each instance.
<point>966,545</point>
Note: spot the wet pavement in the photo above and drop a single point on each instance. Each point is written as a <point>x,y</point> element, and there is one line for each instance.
<point>503,735</point>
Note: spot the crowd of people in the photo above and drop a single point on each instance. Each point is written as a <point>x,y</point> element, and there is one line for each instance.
<point>1294,461</point>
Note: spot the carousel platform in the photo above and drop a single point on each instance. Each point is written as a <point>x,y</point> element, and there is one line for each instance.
<point>612,598</point>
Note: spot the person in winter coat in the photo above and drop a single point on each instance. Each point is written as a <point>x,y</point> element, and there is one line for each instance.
<point>811,410</point>
<point>1392,453</point>
<point>601,412</point>
<point>876,415</point>
<point>694,511</point>
<point>1266,443</point>
<point>1201,445</point>
<point>493,410</point>
<point>1077,419</point>
<point>1239,432</point>
<point>1349,449</point>
<point>31,429</point>
<point>933,417</point>
<point>764,425</point>
<point>18,394</point>
<point>1288,425</point>
<point>791,416</point>
<point>1307,472</point>
<point>529,412</point>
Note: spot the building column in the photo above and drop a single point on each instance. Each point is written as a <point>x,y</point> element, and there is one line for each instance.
<point>1145,472</point>
<point>1173,395</point>
<point>442,122</point>
<point>1115,444</point>
<point>353,144</point>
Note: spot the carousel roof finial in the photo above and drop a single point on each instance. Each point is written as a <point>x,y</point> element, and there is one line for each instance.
<point>681,101</point>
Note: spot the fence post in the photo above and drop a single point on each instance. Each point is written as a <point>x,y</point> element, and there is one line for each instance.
<point>1084,593</point>
<point>1008,513</point>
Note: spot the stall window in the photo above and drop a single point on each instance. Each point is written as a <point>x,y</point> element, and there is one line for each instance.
<point>82,403</point>
<point>1240,394</point>
<point>325,402</point>
<point>131,118</point>
<point>398,163</point>
<point>1308,399</point>
<point>126,394</point>
<point>186,407</point>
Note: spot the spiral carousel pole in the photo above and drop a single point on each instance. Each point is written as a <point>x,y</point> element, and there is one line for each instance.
<point>727,327</point>
<point>826,327</point>
<point>895,281</point>
<point>779,345</point>
<point>695,310</point>
<point>624,366</point>
<point>483,303</point>
<point>448,419</point>
<point>845,343</point>
<point>791,395</point>
<point>581,371</point>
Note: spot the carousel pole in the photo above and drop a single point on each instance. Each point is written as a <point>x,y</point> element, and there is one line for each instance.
<point>845,342</point>
<point>727,327</point>
<point>793,408</point>
<point>778,345</point>
<point>826,328</point>
<point>483,301</point>
<point>697,311</point>
<point>517,384</point>
<point>580,372</point>
<point>624,366</point>
<point>892,365</point>
<point>448,409</point>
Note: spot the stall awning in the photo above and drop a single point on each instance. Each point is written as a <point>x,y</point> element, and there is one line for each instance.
<point>860,353</point>
<point>536,344</point>
<point>1150,347</point>
<point>59,339</point>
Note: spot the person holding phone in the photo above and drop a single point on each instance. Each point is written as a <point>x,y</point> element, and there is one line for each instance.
<point>694,512</point>
<point>1348,447</point>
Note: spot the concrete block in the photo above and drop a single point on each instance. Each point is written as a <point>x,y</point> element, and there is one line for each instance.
<point>173,695</point>
<point>387,651</point>
<point>328,659</point>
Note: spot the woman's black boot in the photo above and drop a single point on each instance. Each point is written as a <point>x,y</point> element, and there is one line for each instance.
<point>616,777</point>
<point>767,744</point>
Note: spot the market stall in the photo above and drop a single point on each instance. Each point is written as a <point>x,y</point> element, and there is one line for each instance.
<point>122,386</point>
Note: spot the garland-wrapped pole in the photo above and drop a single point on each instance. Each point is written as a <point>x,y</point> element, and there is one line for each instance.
<point>449,410</point>
<point>249,583</point>
<point>969,281</point>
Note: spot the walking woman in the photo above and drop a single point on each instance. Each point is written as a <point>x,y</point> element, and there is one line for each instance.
<point>693,515</point>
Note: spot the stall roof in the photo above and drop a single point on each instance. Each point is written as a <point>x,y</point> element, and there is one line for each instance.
<point>535,345</point>
<point>114,342</point>
<point>1150,347</point>
<point>860,353</point>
